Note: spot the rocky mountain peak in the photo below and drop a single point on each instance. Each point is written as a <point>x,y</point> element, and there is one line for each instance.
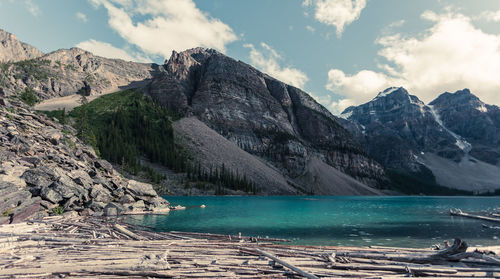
<point>394,103</point>
<point>461,100</point>
<point>13,50</point>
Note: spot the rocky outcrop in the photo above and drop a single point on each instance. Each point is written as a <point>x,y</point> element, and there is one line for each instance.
<point>261,115</point>
<point>45,168</point>
<point>456,136</point>
<point>13,50</point>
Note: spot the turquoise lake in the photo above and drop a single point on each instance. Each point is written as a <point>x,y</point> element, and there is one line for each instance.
<point>353,221</point>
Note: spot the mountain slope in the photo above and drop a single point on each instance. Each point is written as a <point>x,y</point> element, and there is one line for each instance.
<point>261,115</point>
<point>12,50</point>
<point>66,72</point>
<point>405,134</point>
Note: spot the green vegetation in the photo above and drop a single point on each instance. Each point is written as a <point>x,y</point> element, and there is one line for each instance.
<point>32,68</point>
<point>4,67</point>
<point>421,182</point>
<point>58,210</point>
<point>84,131</point>
<point>127,126</point>
<point>59,114</point>
<point>29,96</point>
<point>7,212</point>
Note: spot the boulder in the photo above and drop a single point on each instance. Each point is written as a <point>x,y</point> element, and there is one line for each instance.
<point>96,206</point>
<point>82,178</point>
<point>67,188</point>
<point>36,178</point>
<point>100,194</point>
<point>127,199</point>
<point>55,138</point>
<point>105,165</point>
<point>137,206</point>
<point>137,188</point>
<point>50,195</point>
<point>113,209</point>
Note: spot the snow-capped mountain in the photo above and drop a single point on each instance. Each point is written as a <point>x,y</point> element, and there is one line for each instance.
<point>456,136</point>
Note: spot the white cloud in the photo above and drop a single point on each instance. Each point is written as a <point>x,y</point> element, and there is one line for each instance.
<point>452,54</point>
<point>338,13</point>
<point>107,50</point>
<point>310,28</point>
<point>267,60</point>
<point>81,16</point>
<point>490,16</point>
<point>168,25</point>
<point>32,7</point>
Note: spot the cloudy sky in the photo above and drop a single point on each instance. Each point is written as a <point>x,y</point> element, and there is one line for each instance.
<point>340,51</point>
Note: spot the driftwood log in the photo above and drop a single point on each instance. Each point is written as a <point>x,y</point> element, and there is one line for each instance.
<point>109,248</point>
<point>458,212</point>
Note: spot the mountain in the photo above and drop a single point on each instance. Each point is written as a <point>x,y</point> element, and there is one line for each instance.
<point>272,133</point>
<point>12,50</point>
<point>279,124</point>
<point>66,72</point>
<point>404,134</point>
<point>478,123</point>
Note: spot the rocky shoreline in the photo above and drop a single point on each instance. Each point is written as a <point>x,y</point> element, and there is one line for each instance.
<point>46,170</point>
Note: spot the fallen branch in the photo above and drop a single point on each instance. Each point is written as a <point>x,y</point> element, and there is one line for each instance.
<point>292,267</point>
<point>126,232</point>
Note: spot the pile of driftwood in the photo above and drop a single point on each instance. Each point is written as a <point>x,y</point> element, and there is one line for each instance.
<point>110,248</point>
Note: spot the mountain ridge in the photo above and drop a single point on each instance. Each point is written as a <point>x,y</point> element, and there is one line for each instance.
<point>415,133</point>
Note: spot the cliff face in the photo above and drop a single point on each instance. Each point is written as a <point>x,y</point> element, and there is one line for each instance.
<point>261,115</point>
<point>12,50</point>
<point>456,136</point>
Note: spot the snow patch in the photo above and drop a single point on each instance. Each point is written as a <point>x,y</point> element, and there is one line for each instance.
<point>482,108</point>
<point>460,142</point>
<point>386,92</point>
<point>346,115</point>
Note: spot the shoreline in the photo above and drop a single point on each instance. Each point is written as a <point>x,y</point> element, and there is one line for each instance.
<point>90,247</point>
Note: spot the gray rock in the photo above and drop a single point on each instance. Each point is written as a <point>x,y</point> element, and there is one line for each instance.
<point>82,178</point>
<point>96,206</point>
<point>36,178</point>
<point>100,194</point>
<point>67,188</point>
<point>50,195</point>
<point>137,188</point>
<point>55,138</point>
<point>127,199</point>
<point>105,165</point>
<point>137,206</point>
<point>113,209</point>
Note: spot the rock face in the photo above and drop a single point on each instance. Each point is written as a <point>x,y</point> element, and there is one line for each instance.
<point>261,115</point>
<point>12,50</point>
<point>44,166</point>
<point>449,136</point>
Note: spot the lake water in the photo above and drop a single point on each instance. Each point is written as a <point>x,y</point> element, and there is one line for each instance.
<point>353,221</point>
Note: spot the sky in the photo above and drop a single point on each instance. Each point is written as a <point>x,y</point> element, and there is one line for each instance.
<point>342,52</point>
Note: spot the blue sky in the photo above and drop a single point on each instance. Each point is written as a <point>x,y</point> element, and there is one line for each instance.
<point>341,51</point>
